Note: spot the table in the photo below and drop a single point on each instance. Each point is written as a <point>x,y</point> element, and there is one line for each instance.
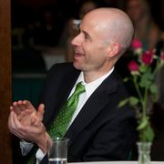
<point>117,162</point>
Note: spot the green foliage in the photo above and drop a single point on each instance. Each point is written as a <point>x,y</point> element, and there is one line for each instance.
<point>133,101</point>
<point>123,102</point>
<point>143,71</point>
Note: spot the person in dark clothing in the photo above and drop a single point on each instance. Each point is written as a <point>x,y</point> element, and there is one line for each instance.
<point>99,130</point>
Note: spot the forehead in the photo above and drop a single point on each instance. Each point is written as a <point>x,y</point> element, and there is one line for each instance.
<point>89,25</point>
<point>94,20</point>
<point>95,28</point>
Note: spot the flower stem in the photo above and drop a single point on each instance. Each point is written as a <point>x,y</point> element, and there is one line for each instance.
<point>137,88</point>
<point>144,102</point>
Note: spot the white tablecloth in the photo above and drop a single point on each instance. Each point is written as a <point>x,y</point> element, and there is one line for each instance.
<point>117,162</point>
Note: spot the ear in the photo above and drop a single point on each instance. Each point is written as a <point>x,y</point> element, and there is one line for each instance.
<point>113,50</point>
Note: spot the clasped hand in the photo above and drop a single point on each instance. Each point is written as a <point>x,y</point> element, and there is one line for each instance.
<point>26,123</point>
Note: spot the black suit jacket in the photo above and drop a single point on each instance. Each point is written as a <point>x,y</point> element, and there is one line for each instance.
<point>101,131</point>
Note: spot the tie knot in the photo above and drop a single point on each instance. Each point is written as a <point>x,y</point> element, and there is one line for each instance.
<point>80,88</point>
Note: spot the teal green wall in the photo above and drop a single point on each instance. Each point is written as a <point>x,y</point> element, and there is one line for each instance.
<point>27,89</point>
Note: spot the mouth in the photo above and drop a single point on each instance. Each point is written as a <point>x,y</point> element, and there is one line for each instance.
<point>78,55</point>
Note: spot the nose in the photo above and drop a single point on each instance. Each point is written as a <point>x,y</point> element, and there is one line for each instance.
<point>76,41</point>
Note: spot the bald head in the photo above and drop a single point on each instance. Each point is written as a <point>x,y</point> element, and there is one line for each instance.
<point>114,25</point>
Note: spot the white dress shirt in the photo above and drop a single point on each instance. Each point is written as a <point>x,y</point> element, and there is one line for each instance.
<point>89,89</point>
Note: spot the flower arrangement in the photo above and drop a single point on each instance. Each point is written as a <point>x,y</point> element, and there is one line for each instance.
<point>143,69</point>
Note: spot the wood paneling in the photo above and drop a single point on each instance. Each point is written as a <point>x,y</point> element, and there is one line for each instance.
<point>5,81</point>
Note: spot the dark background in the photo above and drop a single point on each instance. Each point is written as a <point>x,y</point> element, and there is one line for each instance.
<point>42,21</point>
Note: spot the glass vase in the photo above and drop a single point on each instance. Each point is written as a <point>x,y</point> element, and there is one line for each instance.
<point>144,150</point>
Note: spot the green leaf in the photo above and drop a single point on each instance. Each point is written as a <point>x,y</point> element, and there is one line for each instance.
<point>155,97</point>
<point>146,79</point>
<point>149,133</point>
<point>142,68</point>
<point>144,122</point>
<point>153,89</point>
<point>133,101</point>
<point>123,102</point>
<point>125,79</point>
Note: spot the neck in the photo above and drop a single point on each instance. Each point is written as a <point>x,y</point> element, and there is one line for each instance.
<point>92,75</point>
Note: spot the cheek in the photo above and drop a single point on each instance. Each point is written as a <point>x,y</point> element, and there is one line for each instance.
<point>92,49</point>
<point>95,56</point>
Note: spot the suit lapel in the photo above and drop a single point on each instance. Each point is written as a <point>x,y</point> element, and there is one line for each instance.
<point>66,85</point>
<point>93,106</point>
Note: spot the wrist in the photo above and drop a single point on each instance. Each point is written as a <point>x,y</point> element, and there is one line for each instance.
<point>45,143</point>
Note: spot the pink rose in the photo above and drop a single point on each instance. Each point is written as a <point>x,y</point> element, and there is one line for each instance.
<point>147,57</point>
<point>136,44</point>
<point>133,66</point>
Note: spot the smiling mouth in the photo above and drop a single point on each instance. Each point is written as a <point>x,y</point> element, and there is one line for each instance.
<point>76,55</point>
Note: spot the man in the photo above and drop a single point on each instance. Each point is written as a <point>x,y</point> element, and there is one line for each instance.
<point>99,130</point>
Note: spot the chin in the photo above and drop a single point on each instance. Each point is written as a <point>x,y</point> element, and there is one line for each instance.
<point>77,65</point>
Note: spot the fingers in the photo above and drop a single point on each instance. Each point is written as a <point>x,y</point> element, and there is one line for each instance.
<point>16,108</point>
<point>14,125</point>
<point>18,129</point>
<point>9,121</point>
<point>28,105</point>
<point>23,113</point>
<point>24,116</point>
<point>40,112</point>
<point>28,132</point>
<point>36,123</point>
<point>20,106</point>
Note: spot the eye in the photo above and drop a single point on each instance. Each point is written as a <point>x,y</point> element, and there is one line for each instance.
<point>86,36</point>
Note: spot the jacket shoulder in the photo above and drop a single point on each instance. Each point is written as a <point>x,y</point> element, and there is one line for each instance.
<point>62,66</point>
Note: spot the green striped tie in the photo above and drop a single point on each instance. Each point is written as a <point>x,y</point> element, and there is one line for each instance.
<point>61,123</point>
<point>31,160</point>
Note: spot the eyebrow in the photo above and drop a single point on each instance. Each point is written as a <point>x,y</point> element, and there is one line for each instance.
<point>86,34</point>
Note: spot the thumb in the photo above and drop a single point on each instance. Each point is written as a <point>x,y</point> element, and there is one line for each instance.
<point>40,111</point>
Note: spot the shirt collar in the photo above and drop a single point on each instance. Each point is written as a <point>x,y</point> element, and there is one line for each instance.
<point>92,86</point>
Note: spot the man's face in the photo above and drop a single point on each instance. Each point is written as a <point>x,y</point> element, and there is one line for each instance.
<point>90,51</point>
